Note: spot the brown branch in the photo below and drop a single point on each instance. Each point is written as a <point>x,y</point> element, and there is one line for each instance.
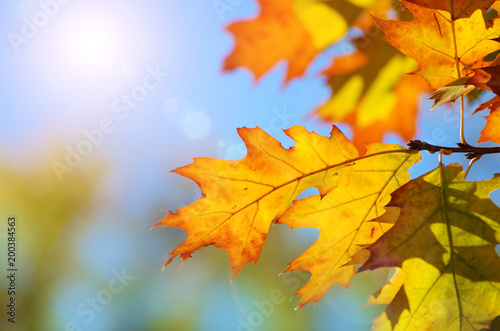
<point>472,152</point>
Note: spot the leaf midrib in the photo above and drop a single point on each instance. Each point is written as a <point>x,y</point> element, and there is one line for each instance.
<point>450,243</point>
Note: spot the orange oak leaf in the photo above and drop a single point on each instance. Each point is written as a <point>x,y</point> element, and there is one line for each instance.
<point>492,105</point>
<point>372,92</point>
<point>240,199</point>
<point>444,242</point>
<point>487,79</point>
<point>343,218</point>
<point>446,38</point>
<point>291,30</point>
<point>491,131</point>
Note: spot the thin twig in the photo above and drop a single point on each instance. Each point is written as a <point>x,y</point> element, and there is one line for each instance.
<point>472,152</point>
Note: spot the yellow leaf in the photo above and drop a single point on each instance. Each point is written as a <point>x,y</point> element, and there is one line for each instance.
<point>387,293</point>
<point>291,30</point>
<point>446,38</point>
<point>343,216</point>
<point>372,93</point>
<point>242,198</point>
<point>444,242</point>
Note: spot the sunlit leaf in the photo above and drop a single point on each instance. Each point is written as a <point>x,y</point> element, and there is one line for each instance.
<point>444,242</point>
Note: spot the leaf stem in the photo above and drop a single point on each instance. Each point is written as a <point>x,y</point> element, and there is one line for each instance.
<point>462,121</point>
<point>472,152</point>
<point>470,165</point>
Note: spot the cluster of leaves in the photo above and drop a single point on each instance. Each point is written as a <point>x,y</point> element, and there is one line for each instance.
<point>438,230</point>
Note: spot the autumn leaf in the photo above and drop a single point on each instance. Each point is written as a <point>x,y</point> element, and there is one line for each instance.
<point>491,131</point>
<point>439,231</point>
<point>457,9</point>
<point>492,104</point>
<point>372,101</point>
<point>372,92</point>
<point>343,216</point>
<point>446,38</point>
<point>450,92</point>
<point>389,291</point>
<point>496,6</point>
<point>240,199</point>
<point>444,242</point>
<point>487,79</point>
<point>291,30</point>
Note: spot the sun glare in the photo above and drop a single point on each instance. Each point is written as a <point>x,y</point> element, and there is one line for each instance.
<point>91,45</point>
<point>91,48</point>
